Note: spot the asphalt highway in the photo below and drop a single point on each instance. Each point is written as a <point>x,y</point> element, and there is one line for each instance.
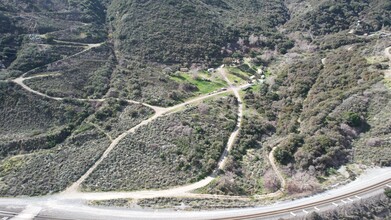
<point>372,182</point>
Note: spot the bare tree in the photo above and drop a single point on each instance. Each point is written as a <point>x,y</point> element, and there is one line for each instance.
<point>302,182</point>
<point>253,39</point>
<point>241,42</point>
<point>203,109</point>
<point>270,181</point>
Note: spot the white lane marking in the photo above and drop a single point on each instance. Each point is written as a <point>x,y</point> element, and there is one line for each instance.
<point>343,201</point>
<point>358,197</point>
<point>316,208</point>
<point>336,205</point>
<point>388,185</point>
<point>28,214</point>
<point>305,211</point>
<point>350,199</point>
<point>293,214</point>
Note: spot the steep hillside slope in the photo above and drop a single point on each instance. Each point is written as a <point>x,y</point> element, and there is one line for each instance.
<point>187,32</point>
<point>325,17</point>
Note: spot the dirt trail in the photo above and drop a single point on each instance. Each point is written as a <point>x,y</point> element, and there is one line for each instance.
<point>159,112</point>
<point>276,169</point>
<point>387,73</point>
<point>87,48</point>
<point>72,191</point>
<point>231,141</point>
<point>101,130</point>
<point>20,81</point>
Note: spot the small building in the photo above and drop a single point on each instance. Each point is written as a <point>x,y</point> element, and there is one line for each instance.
<point>236,61</point>
<point>211,70</point>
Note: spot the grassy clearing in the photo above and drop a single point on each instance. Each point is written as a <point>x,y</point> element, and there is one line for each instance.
<point>236,76</point>
<point>205,82</point>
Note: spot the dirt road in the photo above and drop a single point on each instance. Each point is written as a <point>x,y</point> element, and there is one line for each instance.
<point>387,73</point>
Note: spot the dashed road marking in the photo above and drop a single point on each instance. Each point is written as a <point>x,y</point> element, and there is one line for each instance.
<point>343,201</point>
<point>335,204</point>
<point>358,197</point>
<point>29,213</point>
<point>316,208</point>
<point>388,185</point>
<point>305,211</point>
<point>293,214</point>
<point>350,199</point>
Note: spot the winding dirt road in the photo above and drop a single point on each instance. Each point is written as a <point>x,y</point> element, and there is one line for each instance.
<point>72,193</point>
<point>387,73</point>
<point>159,112</point>
<point>231,141</point>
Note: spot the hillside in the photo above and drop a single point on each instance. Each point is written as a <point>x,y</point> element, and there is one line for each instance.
<point>100,95</point>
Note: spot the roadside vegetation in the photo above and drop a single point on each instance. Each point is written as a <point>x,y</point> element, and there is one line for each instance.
<point>183,204</point>
<point>377,207</point>
<point>192,204</point>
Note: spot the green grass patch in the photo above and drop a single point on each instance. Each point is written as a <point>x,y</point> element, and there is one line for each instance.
<point>205,83</point>
<point>83,128</point>
<point>237,76</point>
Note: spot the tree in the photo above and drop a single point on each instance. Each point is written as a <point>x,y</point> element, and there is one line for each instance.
<point>253,39</point>
<point>270,181</point>
<point>387,192</point>
<point>313,216</point>
<point>353,119</point>
<point>241,42</point>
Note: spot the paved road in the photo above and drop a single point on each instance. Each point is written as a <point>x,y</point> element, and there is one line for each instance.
<point>371,183</point>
